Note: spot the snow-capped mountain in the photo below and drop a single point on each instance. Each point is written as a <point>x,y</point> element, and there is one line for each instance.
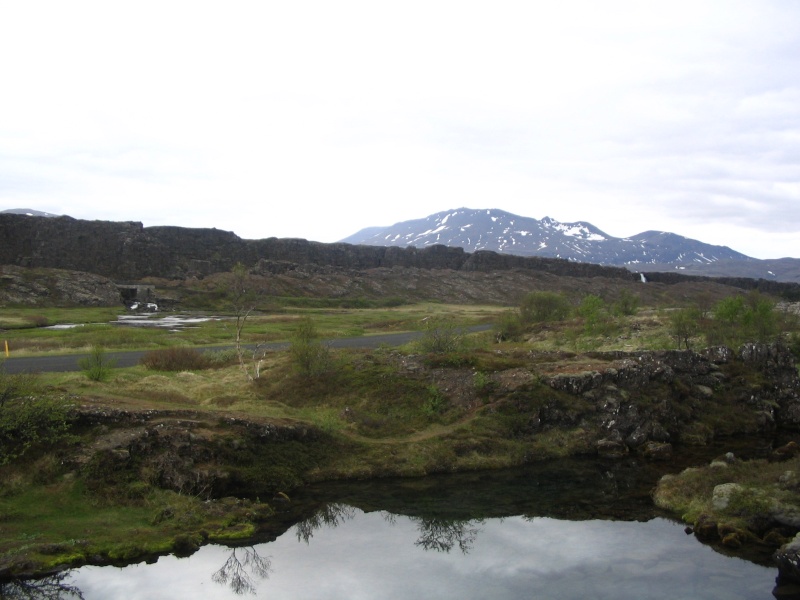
<point>28,211</point>
<point>500,231</point>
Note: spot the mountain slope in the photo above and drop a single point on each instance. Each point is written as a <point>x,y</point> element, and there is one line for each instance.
<point>27,211</point>
<point>500,231</point>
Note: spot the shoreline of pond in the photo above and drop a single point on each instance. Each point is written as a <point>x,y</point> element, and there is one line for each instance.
<point>137,481</point>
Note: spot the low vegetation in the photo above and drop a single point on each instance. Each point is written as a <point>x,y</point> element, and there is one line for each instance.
<point>29,420</point>
<point>97,365</point>
<point>84,328</point>
<point>451,400</point>
<point>737,503</point>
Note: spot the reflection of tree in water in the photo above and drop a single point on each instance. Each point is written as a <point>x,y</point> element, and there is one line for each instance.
<point>331,515</point>
<point>443,535</point>
<point>47,588</point>
<point>235,570</point>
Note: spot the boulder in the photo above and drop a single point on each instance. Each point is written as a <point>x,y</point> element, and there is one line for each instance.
<point>787,558</point>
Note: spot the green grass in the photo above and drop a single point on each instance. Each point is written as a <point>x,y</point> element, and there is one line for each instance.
<point>26,317</point>
<point>62,524</point>
<point>366,391</point>
<point>25,338</point>
<point>690,493</point>
<point>405,411</point>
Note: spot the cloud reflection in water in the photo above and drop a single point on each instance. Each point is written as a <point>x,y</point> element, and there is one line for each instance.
<point>350,554</point>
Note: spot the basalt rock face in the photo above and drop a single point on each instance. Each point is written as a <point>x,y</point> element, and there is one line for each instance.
<point>129,251</point>
<point>639,400</point>
<point>195,453</point>
<point>119,250</point>
<point>48,287</point>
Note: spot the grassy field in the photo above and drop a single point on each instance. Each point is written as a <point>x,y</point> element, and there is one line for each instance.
<point>28,331</point>
<point>407,411</point>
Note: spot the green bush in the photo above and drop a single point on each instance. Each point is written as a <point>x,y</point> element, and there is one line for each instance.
<point>16,385</point>
<point>541,307</point>
<point>27,421</point>
<point>222,358</point>
<point>593,311</point>
<point>308,355</point>
<point>739,319</point>
<point>435,403</point>
<point>508,327</point>
<point>38,320</point>
<point>760,320</point>
<point>97,366</point>
<point>626,304</point>
<point>684,325</point>
<point>441,335</point>
<point>177,358</point>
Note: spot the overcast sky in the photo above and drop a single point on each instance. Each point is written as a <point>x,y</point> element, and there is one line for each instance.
<point>316,119</point>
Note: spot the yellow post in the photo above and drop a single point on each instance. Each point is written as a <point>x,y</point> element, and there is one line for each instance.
<point>6,348</point>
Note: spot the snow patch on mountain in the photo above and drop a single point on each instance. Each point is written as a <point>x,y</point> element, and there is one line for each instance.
<point>500,231</point>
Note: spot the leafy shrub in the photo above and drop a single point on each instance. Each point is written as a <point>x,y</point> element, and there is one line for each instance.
<point>760,320</point>
<point>541,307</point>
<point>684,324</point>
<point>508,327</point>
<point>307,353</point>
<point>38,320</point>
<point>435,403</point>
<point>482,382</point>
<point>441,335</point>
<point>97,366</point>
<point>31,421</point>
<point>738,319</point>
<point>593,310</point>
<point>627,304</point>
<point>222,358</point>
<point>177,358</point>
<point>16,385</point>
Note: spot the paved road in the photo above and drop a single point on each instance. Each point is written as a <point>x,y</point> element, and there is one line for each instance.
<point>69,362</point>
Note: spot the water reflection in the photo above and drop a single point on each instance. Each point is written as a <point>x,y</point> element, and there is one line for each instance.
<point>442,535</point>
<point>330,515</point>
<point>549,532</point>
<point>52,587</point>
<point>373,555</point>
<point>239,570</point>
<point>436,533</point>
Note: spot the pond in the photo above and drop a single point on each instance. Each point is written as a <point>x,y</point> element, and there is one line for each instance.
<point>569,529</point>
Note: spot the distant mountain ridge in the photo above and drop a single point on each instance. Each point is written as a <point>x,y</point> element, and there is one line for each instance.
<point>27,211</point>
<point>474,230</point>
<point>507,233</point>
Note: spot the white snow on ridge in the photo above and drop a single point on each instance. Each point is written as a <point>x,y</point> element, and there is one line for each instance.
<point>579,231</point>
<point>429,232</point>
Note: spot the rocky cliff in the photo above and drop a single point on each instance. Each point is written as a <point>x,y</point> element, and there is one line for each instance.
<point>55,287</point>
<point>128,251</point>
